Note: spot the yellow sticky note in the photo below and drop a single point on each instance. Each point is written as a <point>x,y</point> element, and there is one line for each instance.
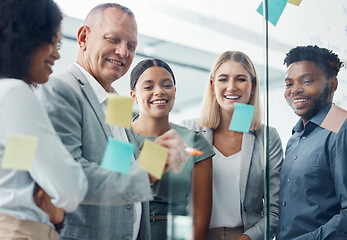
<point>295,2</point>
<point>334,119</point>
<point>19,152</point>
<point>119,110</point>
<point>153,158</point>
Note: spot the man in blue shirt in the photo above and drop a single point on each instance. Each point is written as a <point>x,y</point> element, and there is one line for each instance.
<point>313,191</point>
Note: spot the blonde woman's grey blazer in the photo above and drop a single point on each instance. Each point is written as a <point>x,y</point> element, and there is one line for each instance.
<point>252,177</point>
<point>107,211</point>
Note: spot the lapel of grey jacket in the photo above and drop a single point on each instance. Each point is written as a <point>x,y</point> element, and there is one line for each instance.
<point>91,97</point>
<point>246,156</point>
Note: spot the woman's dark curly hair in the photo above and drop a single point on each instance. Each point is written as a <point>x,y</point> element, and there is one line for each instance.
<point>24,26</point>
<point>325,58</point>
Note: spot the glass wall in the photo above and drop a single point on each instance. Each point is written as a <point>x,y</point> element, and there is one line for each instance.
<point>190,35</point>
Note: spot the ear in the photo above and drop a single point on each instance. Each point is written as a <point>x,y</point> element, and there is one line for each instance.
<point>133,95</point>
<point>333,84</point>
<point>212,84</point>
<point>82,36</point>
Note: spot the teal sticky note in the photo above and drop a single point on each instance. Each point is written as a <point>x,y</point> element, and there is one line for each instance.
<point>118,156</point>
<point>242,117</point>
<point>275,9</point>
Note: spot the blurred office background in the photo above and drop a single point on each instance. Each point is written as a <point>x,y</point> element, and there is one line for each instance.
<point>190,35</point>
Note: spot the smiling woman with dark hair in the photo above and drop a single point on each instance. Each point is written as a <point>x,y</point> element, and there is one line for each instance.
<point>153,87</point>
<point>32,201</point>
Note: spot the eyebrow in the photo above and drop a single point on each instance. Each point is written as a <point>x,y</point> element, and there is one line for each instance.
<point>301,77</point>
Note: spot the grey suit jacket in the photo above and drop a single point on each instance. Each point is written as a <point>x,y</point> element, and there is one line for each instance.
<point>107,211</point>
<point>252,177</point>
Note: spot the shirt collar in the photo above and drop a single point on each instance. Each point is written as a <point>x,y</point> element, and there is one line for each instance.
<point>99,91</point>
<point>315,121</point>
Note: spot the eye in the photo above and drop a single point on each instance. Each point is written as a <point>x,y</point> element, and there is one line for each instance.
<point>242,79</point>
<point>112,40</point>
<point>307,82</point>
<point>148,87</point>
<point>222,80</point>
<point>132,47</point>
<point>59,45</point>
<point>167,86</point>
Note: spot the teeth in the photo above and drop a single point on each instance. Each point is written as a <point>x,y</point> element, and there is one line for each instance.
<point>232,97</point>
<point>115,62</point>
<point>300,100</point>
<point>159,101</point>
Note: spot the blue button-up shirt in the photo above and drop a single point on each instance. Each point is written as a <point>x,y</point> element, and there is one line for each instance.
<point>313,194</point>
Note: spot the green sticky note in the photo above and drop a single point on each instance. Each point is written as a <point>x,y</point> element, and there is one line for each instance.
<point>20,152</point>
<point>242,117</point>
<point>118,156</point>
<point>119,110</point>
<point>153,158</point>
<point>275,9</point>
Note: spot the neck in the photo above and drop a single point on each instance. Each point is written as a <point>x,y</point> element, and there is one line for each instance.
<point>225,118</point>
<point>151,127</point>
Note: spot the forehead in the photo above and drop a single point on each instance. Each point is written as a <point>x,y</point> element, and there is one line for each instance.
<point>155,73</point>
<point>114,20</point>
<point>232,67</point>
<point>300,68</point>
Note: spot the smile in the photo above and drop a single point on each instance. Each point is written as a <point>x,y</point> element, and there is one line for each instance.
<point>233,97</point>
<point>115,62</point>
<point>300,100</point>
<point>159,101</point>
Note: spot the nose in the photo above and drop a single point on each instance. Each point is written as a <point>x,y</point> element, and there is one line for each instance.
<point>158,91</point>
<point>231,85</point>
<point>56,54</point>
<point>122,50</point>
<point>296,88</point>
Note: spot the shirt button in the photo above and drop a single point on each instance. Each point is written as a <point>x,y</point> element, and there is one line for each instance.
<point>282,227</point>
<point>295,157</point>
<point>284,203</point>
<point>304,137</point>
<point>288,180</point>
<point>129,206</point>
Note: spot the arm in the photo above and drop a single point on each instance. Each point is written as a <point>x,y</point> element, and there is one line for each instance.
<point>275,161</point>
<point>202,198</point>
<point>53,169</point>
<point>82,135</point>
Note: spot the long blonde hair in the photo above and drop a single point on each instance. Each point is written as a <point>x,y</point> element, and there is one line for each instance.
<point>210,111</point>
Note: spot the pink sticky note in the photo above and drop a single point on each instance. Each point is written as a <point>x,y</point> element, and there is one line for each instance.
<point>334,119</point>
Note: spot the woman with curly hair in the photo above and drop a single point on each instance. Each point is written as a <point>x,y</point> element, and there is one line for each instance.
<point>33,201</point>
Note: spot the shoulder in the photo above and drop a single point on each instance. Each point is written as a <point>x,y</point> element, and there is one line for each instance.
<point>191,123</point>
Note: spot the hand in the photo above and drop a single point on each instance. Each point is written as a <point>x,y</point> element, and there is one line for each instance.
<point>243,237</point>
<point>43,201</point>
<point>176,146</point>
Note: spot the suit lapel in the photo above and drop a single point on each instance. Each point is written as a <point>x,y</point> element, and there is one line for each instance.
<point>91,97</point>
<point>246,156</point>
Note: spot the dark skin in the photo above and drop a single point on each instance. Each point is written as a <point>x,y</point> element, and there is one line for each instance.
<point>308,89</point>
<point>43,201</point>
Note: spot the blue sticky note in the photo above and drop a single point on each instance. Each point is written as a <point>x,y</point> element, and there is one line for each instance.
<point>275,9</point>
<point>118,156</point>
<point>242,117</point>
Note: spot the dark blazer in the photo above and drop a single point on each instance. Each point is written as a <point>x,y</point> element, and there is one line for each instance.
<point>252,177</point>
<point>107,211</point>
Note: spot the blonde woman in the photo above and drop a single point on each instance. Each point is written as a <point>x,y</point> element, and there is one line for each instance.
<point>238,166</point>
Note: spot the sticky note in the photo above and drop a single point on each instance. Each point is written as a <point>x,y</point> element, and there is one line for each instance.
<point>20,152</point>
<point>242,117</point>
<point>334,119</point>
<point>153,158</point>
<point>275,9</point>
<point>118,156</point>
<point>294,2</point>
<point>119,110</point>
